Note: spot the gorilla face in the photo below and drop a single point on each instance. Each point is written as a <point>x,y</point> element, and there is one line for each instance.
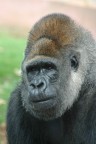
<point>52,85</point>
<point>42,78</point>
<point>52,74</point>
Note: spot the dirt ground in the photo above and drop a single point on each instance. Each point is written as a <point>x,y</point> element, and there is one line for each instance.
<point>3,134</point>
<point>18,16</point>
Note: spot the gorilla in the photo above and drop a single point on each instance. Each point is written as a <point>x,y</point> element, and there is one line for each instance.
<point>55,102</point>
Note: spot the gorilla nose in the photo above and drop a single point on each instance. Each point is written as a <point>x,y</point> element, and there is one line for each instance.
<point>38,84</point>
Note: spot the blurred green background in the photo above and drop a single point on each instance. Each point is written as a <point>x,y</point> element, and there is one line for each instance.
<point>11,54</point>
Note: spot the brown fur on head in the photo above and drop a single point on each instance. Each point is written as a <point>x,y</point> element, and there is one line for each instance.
<point>51,34</point>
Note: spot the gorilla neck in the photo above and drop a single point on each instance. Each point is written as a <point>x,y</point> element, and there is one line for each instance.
<point>49,132</point>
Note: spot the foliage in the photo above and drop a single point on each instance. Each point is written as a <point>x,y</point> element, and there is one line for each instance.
<point>11,54</point>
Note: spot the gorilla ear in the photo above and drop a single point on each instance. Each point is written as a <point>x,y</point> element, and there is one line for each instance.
<point>74,60</point>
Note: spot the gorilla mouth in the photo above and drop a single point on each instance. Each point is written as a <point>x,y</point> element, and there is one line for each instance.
<point>42,100</point>
<point>44,103</point>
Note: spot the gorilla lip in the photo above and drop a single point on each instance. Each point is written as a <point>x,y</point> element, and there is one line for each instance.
<point>42,100</point>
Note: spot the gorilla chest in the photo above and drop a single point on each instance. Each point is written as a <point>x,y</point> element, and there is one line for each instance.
<point>56,132</point>
<point>50,133</point>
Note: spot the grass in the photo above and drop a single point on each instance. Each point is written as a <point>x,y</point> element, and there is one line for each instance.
<point>11,55</point>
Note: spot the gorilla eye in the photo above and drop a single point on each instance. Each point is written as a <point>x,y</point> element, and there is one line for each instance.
<point>74,62</point>
<point>50,66</point>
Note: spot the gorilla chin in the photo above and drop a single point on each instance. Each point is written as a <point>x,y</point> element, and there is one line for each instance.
<point>43,110</point>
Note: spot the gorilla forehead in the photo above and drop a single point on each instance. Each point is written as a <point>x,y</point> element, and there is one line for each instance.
<point>46,47</point>
<point>56,27</point>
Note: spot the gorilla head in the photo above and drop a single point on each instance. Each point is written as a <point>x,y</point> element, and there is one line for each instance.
<point>55,66</point>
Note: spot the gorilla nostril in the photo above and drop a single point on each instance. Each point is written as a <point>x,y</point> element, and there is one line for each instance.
<point>33,86</point>
<point>38,84</point>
